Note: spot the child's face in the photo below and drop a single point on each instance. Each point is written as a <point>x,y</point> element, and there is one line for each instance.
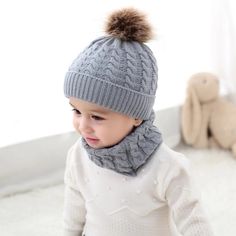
<point>99,126</point>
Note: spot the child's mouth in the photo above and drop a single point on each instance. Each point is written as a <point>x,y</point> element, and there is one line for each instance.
<point>91,140</point>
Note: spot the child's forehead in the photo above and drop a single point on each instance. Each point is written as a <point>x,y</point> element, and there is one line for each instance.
<point>81,104</point>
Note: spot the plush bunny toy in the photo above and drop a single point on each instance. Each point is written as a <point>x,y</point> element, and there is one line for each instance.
<point>208,120</point>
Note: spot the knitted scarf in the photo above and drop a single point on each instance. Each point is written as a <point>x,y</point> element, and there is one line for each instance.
<point>130,153</point>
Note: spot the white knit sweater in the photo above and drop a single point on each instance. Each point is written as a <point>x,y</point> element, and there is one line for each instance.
<point>160,201</point>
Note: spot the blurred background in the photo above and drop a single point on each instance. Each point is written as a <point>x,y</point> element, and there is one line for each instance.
<point>39,40</point>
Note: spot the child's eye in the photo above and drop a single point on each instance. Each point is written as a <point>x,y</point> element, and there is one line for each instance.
<point>97,117</point>
<point>77,112</point>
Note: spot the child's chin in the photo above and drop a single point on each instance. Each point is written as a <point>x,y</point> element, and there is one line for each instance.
<point>99,146</point>
<point>95,147</point>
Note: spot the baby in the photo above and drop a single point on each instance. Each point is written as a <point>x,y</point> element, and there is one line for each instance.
<point>121,179</point>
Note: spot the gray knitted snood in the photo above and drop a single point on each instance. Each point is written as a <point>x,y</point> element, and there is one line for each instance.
<point>131,153</point>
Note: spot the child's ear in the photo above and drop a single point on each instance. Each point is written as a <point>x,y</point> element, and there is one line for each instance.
<point>137,122</point>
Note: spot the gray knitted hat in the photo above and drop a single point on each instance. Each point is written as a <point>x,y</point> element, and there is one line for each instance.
<point>117,71</point>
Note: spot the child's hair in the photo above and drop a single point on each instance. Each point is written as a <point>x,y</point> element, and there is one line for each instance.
<point>117,71</point>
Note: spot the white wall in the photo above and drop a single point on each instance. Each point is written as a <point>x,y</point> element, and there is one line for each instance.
<point>40,38</point>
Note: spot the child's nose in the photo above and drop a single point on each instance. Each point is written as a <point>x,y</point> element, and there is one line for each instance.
<point>84,125</point>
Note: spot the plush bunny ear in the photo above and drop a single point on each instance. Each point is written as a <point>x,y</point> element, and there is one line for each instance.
<point>191,117</point>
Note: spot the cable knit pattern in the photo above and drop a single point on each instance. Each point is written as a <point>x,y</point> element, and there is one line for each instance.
<point>116,74</point>
<point>160,200</point>
<point>128,156</point>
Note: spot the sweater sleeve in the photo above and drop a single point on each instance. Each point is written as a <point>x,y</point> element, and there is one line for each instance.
<point>74,204</point>
<point>184,202</point>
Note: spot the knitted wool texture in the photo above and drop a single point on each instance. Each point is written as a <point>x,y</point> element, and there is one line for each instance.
<point>133,152</point>
<point>116,74</point>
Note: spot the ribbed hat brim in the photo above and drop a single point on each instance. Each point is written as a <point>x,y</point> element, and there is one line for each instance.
<point>108,95</point>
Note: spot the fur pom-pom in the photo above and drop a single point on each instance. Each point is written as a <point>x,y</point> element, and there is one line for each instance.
<point>130,25</point>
